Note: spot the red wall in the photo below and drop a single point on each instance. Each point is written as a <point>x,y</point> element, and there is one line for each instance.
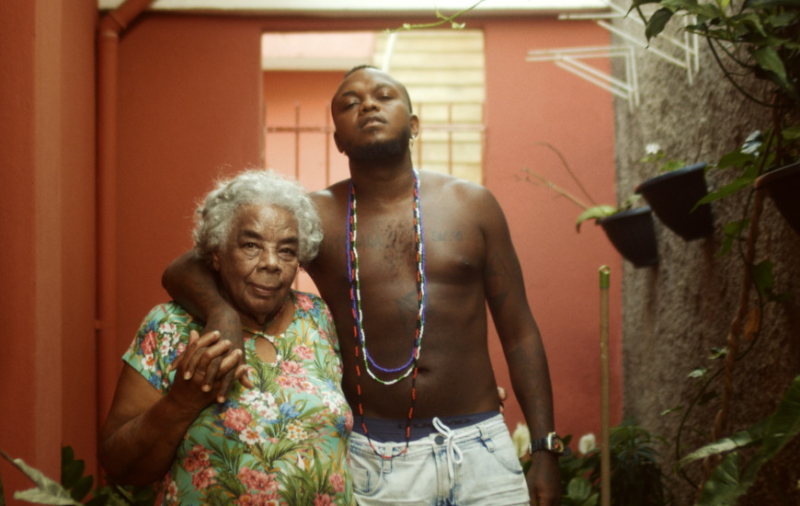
<point>47,392</point>
<point>189,112</point>
<point>302,99</point>
<point>534,102</point>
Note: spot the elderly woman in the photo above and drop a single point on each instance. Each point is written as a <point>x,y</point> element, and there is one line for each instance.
<point>285,440</point>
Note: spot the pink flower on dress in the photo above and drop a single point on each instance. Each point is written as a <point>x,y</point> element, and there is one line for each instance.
<point>172,491</point>
<point>167,328</point>
<point>292,368</point>
<point>258,481</point>
<point>149,343</point>
<point>326,336</point>
<point>197,458</point>
<point>307,387</point>
<point>304,301</point>
<point>323,500</point>
<point>348,420</point>
<point>337,482</point>
<point>237,419</point>
<point>205,478</point>
<point>304,352</point>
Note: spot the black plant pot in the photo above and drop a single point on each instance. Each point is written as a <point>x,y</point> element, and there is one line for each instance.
<point>631,232</point>
<point>783,187</point>
<point>672,196</point>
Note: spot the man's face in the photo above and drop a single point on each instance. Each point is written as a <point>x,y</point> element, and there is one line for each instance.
<point>372,116</point>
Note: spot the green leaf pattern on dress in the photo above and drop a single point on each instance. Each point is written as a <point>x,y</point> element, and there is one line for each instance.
<point>283,442</point>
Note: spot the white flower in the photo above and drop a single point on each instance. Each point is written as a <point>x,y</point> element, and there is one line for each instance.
<point>252,436</point>
<point>652,149</point>
<point>587,443</point>
<point>521,439</point>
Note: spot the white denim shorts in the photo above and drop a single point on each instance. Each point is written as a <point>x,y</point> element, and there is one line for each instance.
<point>472,465</point>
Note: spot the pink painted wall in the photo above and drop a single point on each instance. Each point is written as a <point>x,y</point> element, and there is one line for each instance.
<point>189,112</point>
<point>530,102</point>
<point>47,392</point>
<point>302,98</point>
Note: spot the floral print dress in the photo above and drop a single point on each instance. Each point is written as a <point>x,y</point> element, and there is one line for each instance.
<point>283,442</point>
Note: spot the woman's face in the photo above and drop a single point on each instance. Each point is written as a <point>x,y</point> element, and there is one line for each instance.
<point>259,262</point>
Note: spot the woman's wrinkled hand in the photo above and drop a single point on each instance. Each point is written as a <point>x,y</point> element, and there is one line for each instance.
<point>196,384</point>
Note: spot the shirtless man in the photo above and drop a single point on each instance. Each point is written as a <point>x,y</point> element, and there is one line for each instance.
<point>393,267</point>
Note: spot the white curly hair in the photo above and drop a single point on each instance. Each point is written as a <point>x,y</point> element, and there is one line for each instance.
<point>215,214</point>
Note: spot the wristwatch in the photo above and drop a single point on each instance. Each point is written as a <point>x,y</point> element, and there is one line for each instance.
<point>550,443</point>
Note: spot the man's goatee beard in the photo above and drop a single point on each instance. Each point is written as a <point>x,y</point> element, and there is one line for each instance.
<point>380,150</point>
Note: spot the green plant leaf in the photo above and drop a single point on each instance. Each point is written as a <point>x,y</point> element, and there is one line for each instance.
<point>729,189</point>
<point>47,491</point>
<point>768,59</point>
<point>579,489</point>
<point>71,469</point>
<point>671,165</point>
<point>698,373</point>
<point>727,482</point>
<point>667,411</point>
<point>784,424</point>
<point>741,439</point>
<point>82,488</point>
<point>723,487</point>
<point>595,212</point>
<point>657,22</point>
<point>717,352</point>
<point>763,278</point>
<point>768,4</point>
<point>703,11</point>
<point>791,133</point>
<point>731,233</point>
<point>737,159</point>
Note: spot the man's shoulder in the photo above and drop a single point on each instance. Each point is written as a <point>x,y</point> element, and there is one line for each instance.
<point>446,186</point>
<point>329,196</point>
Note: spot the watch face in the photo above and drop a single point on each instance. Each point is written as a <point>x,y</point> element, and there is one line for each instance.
<point>557,445</point>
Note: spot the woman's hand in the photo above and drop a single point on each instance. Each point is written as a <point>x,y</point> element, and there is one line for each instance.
<point>196,383</point>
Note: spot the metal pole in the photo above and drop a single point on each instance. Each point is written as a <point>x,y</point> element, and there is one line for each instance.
<point>605,447</point>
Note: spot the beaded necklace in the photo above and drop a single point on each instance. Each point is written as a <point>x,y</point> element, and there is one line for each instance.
<point>355,299</point>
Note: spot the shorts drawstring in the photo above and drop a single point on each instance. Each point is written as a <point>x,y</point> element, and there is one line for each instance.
<point>453,452</point>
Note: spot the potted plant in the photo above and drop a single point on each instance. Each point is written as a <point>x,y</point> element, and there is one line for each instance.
<point>630,229</point>
<point>750,40</point>
<point>674,193</point>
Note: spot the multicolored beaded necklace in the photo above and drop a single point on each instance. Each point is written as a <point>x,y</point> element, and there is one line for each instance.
<point>355,299</point>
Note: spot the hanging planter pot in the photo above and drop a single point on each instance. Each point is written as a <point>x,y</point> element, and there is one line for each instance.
<point>783,187</point>
<point>673,195</point>
<point>631,232</point>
